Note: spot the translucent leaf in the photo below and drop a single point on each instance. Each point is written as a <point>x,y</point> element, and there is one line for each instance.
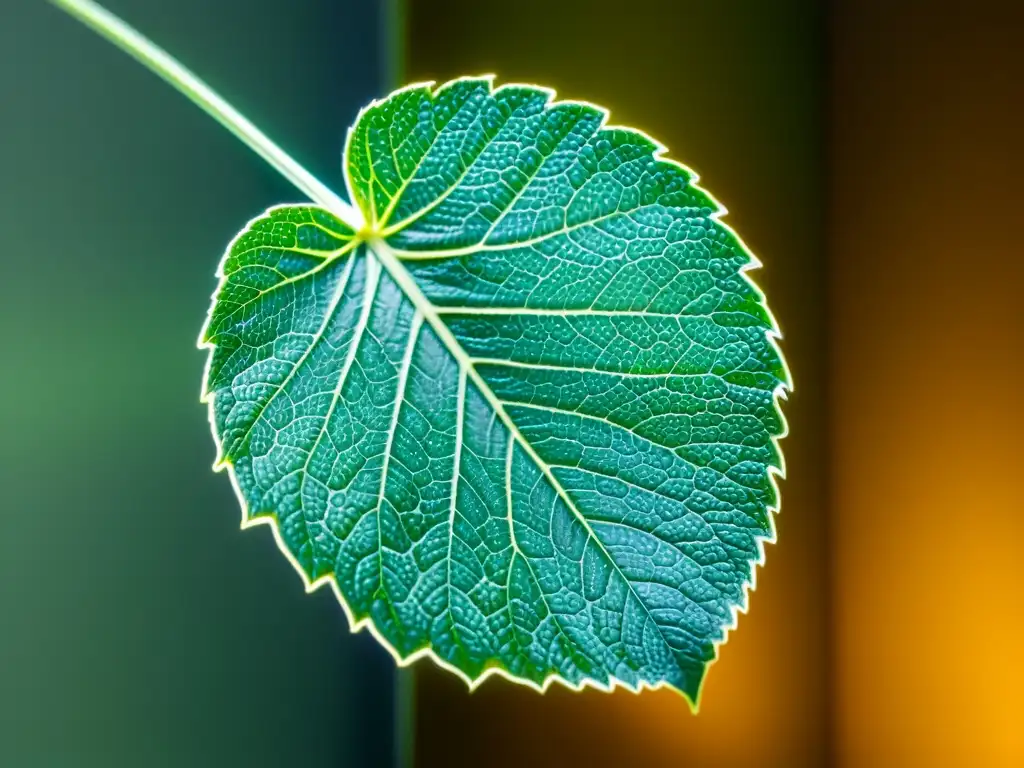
<point>520,409</point>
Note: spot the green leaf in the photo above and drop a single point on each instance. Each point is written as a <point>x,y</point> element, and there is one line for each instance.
<point>520,411</point>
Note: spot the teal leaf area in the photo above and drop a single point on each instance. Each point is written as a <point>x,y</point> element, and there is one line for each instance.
<point>522,415</point>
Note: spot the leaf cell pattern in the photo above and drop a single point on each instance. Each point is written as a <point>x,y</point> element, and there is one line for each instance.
<point>525,415</point>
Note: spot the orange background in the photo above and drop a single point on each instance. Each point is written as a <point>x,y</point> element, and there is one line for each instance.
<point>926,435</point>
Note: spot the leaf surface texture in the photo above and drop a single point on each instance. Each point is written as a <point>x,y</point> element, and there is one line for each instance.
<point>525,415</point>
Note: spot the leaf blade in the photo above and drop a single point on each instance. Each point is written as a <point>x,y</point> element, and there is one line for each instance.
<point>609,373</point>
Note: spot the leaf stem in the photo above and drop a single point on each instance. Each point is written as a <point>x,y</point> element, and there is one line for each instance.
<point>199,93</point>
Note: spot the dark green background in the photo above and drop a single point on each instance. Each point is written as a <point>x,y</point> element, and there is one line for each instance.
<point>138,626</point>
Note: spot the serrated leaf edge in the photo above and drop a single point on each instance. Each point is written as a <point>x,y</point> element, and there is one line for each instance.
<point>376,245</point>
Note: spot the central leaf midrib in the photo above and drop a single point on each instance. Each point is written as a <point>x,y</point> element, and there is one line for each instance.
<point>412,291</point>
<point>517,551</point>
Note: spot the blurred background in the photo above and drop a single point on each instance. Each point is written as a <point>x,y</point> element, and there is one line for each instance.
<point>138,625</point>
<point>869,153</point>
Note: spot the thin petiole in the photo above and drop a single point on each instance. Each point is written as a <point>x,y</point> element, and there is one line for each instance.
<point>166,66</point>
